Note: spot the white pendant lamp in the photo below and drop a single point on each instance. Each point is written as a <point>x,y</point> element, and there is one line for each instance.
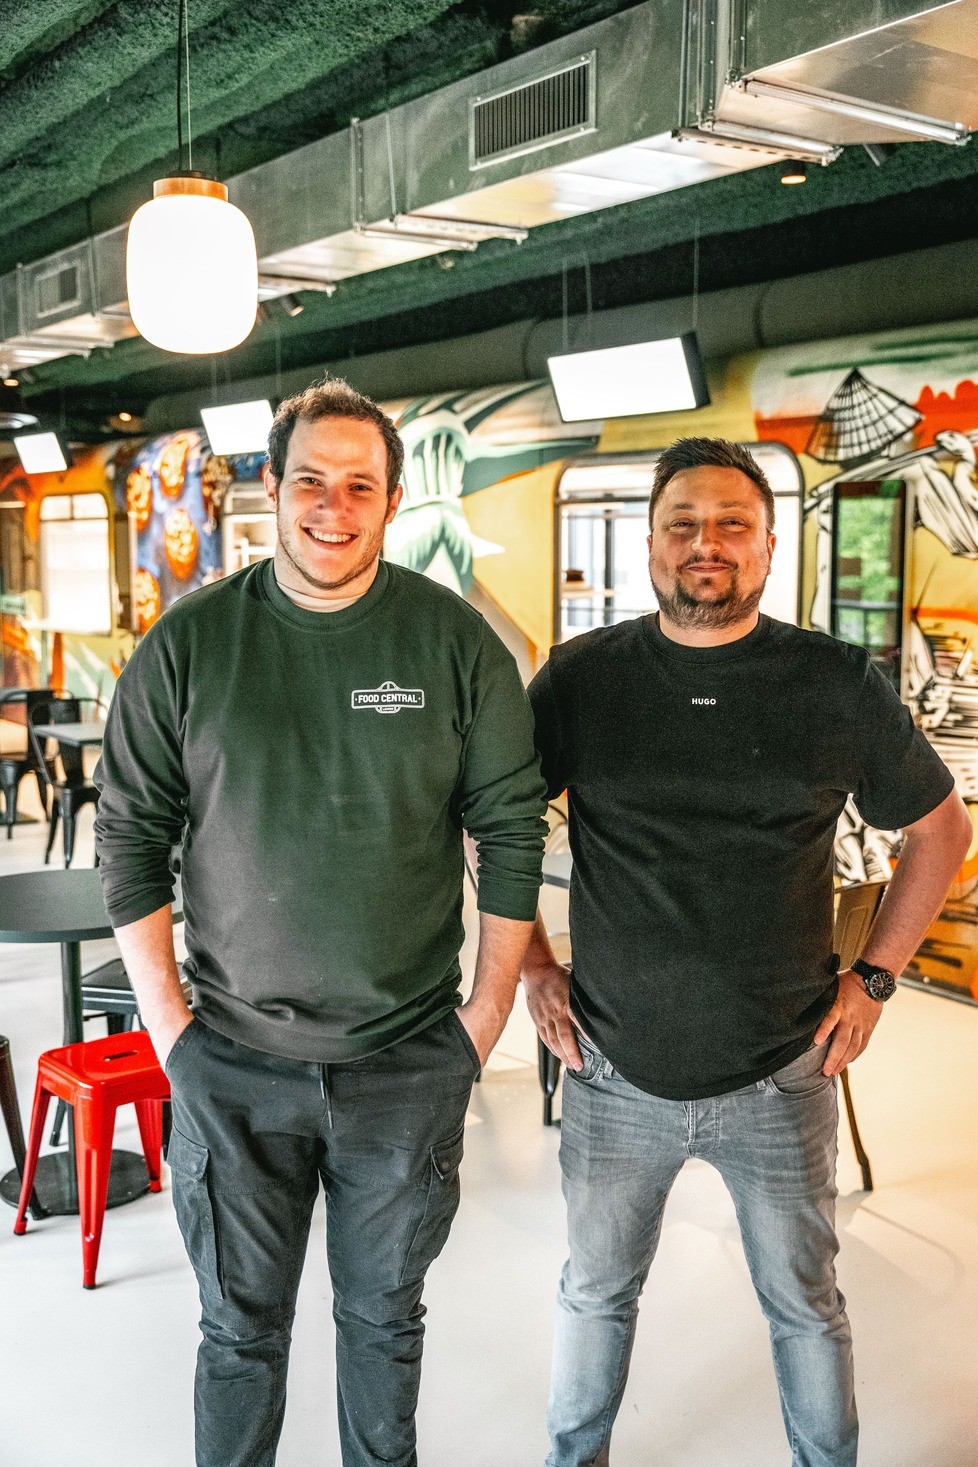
<point>191,267</point>
<point>191,262</point>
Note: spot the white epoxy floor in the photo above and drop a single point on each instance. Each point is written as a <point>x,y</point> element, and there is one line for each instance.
<point>104,1378</point>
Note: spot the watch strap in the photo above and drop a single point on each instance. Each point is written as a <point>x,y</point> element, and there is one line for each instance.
<point>879,982</point>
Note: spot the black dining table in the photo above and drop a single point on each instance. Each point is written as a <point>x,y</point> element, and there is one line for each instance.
<point>78,735</point>
<point>66,907</point>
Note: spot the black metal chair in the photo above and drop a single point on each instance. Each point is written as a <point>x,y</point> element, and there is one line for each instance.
<point>74,791</point>
<point>16,764</point>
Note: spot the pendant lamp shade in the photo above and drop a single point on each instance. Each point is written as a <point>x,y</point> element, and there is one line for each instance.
<point>191,268</point>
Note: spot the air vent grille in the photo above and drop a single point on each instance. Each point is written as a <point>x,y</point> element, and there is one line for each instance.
<point>542,112</point>
<point>57,289</point>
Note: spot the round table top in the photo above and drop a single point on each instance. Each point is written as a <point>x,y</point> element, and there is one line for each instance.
<point>55,906</point>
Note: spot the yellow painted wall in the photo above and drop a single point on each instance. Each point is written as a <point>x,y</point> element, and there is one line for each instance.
<point>943,589</point>
<point>519,514</point>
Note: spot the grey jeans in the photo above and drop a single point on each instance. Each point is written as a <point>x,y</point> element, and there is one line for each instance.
<point>774,1145</point>
<point>253,1138</point>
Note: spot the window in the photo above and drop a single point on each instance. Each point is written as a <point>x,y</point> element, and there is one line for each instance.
<point>867,569</point>
<point>76,585</point>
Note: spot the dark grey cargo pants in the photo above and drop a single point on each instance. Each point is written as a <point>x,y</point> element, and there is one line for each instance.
<point>252,1137</point>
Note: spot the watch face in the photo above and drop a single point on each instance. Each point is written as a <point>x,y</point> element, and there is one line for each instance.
<point>879,984</point>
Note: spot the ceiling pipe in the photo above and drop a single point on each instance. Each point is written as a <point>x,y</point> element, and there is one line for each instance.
<point>920,288</point>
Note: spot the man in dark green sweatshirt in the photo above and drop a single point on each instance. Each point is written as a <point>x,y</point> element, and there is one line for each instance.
<point>316,731</point>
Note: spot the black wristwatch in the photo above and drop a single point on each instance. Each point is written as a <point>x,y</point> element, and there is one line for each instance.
<point>880,982</point>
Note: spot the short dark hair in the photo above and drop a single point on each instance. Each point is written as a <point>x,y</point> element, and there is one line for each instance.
<point>333,398</point>
<point>709,453</point>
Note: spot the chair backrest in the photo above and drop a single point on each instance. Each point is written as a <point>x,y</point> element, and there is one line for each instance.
<point>59,708</point>
<point>19,711</point>
<point>855,908</point>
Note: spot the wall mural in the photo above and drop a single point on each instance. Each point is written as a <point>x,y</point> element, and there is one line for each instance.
<point>174,491</point>
<point>905,409</point>
<point>457,444</point>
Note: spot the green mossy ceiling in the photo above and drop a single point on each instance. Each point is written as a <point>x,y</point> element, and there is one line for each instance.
<point>87,121</point>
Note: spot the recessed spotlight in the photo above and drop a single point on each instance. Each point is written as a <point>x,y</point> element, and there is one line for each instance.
<point>11,381</point>
<point>125,417</point>
<point>794,171</point>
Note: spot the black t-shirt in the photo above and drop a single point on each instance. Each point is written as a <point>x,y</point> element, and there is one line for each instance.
<point>704,786</point>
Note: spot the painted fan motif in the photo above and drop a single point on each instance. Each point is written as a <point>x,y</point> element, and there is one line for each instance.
<point>859,421</point>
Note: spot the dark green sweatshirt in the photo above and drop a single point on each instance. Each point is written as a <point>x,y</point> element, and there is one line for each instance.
<point>318,769</point>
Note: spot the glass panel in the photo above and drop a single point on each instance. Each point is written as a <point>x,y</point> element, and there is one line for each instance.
<point>603,551</point>
<point>780,598</point>
<point>75,581</point>
<point>867,570</point>
<point>56,507</point>
<point>89,507</point>
<point>605,566</point>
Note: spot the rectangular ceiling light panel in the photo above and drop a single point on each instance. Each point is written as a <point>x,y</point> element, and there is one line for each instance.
<point>241,427</point>
<point>41,453</point>
<point>628,381</point>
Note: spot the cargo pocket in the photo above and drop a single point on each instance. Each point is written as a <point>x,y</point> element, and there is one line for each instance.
<point>189,1162</point>
<point>441,1205</point>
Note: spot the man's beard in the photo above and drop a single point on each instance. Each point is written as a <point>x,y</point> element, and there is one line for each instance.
<point>369,554</point>
<point>686,610</point>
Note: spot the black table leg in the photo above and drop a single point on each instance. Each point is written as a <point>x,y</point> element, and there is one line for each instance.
<point>71,995</point>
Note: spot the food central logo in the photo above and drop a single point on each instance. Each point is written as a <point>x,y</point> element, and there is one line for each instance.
<point>388,698</point>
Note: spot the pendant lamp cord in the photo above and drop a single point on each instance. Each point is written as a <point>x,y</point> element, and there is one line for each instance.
<point>696,272</point>
<point>183,67</point>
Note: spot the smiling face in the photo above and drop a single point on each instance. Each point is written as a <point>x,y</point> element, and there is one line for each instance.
<point>331,507</point>
<point>710,553</point>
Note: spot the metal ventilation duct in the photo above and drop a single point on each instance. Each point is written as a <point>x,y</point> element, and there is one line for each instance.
<point>845,71</point>
<point>662,96</point>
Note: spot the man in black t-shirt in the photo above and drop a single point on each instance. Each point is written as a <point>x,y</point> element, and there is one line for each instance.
<point>707,753</point>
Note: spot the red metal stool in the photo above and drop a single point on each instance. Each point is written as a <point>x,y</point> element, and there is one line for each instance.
<point>96,1078</point>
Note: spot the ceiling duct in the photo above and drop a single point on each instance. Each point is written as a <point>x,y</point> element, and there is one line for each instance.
<point>843,71</point>
<point>664,95</point>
